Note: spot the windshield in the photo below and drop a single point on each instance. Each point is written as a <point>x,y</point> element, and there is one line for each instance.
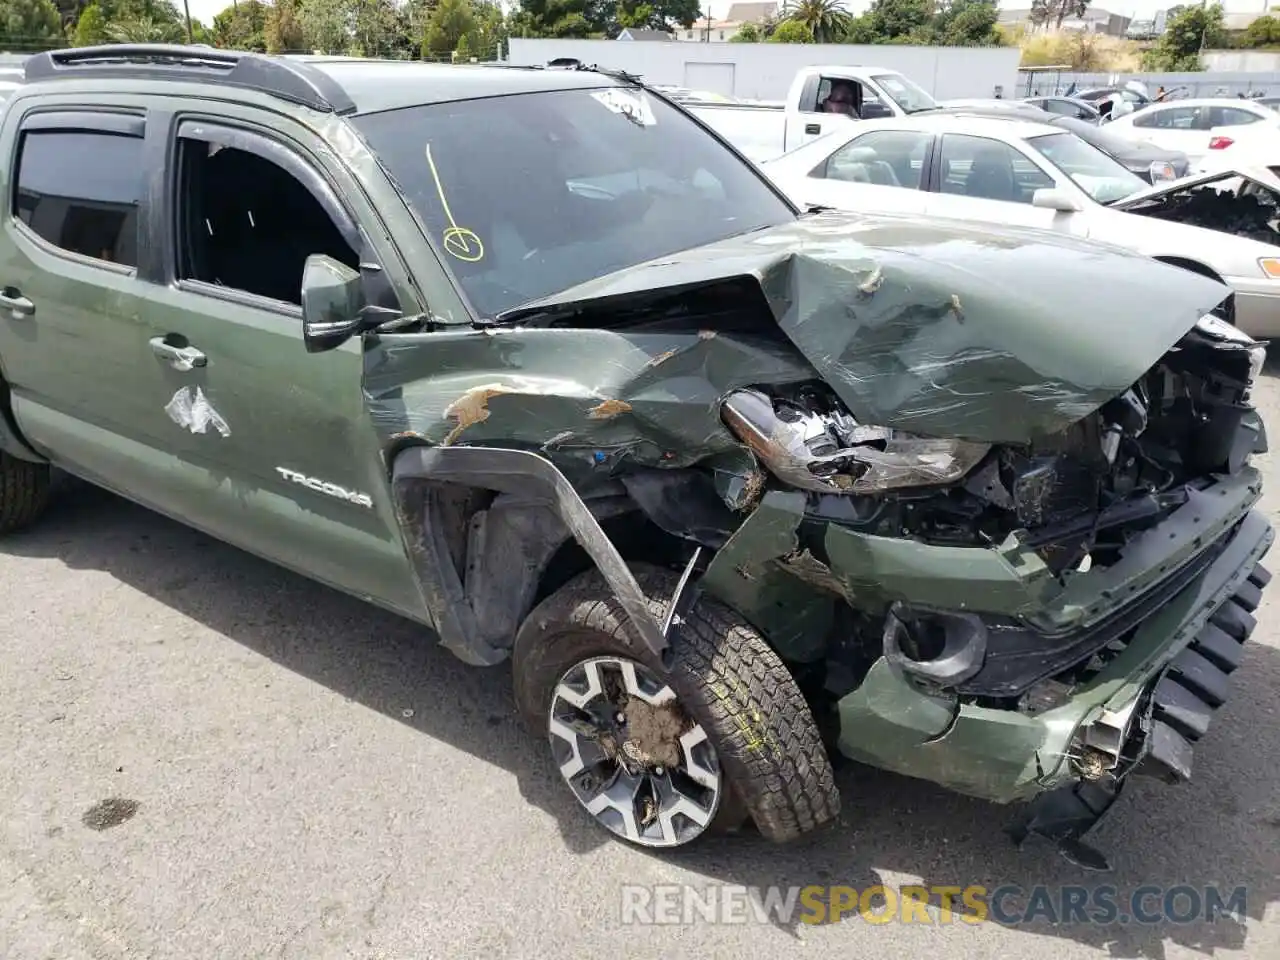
<point>904,93</point>
<point>1102,178</point>
<point>530,194</point>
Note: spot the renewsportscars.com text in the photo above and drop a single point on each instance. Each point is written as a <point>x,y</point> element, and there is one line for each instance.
<point>1009,904</point>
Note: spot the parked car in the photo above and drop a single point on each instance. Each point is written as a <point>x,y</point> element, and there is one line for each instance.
<point>1152,163</point>
<point>1067,107</point>
<point>529,357</point>
<point>1146,160</point>
<point>1190,125</point>
<point>1038,175</point>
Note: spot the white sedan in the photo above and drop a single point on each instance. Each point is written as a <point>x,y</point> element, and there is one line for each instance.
<point>1037,175</point>
<point>1193,126</point>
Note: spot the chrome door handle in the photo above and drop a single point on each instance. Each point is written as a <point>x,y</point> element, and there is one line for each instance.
<point>180,358</point>
<point>11,299</point>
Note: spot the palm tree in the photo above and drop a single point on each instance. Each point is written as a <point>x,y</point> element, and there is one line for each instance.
<point>826,19</point>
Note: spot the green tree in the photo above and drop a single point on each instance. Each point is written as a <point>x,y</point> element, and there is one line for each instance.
<point>91,29</point>
<point>792,31</point>
<point>1185,35</point>
<point>652,14</point>
<point>381,30</point>
<point>242,27</point>
<point>561,18</point>
<point>326,24</point>
<point>967,23</point>
<point>894,21</point>
<point>449,23</point>
<point>1263,32</point>
<point>283,30</point>
<point>491,29</point>
<point>30,25</point>
<point>747,33</point>
<point>827,20</point>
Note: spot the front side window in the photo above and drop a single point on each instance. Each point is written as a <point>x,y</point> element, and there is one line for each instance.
<point>531,194</point>
<point>80,191</point>
<point>989,169</point>
<point>248,224</point>
<point>1101,177</point>
<point>890,158</point>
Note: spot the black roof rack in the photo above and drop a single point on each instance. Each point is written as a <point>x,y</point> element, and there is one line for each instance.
<point>293,80</point>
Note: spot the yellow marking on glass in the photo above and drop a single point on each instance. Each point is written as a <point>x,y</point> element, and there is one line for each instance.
<point>459,242</point>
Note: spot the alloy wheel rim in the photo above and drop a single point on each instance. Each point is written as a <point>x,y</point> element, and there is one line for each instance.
<point>633,756</point>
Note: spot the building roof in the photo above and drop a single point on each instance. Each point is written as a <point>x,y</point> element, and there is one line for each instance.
<point>751,12</point>
<point>643,33</point>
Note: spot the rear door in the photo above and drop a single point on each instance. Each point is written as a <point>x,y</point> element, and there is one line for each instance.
<point>73,302</point>
<point>878,171</point>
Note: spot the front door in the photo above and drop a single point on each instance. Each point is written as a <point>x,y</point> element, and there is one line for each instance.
<point>984,179</point>
<point>284,459</point>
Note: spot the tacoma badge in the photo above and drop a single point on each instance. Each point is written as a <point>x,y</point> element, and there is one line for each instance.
<point>322,486</point>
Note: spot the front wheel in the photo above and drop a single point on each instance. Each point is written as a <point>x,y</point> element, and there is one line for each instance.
<point>662,754</point>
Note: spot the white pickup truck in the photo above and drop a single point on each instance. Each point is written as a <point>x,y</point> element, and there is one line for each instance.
<point>764,131</point>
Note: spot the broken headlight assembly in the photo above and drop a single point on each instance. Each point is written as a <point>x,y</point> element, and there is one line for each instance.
<point>809,441</point>
<point>1218,329</point>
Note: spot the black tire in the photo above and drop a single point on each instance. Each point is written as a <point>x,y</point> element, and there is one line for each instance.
<point>722,670</point>
<point>24,492</point>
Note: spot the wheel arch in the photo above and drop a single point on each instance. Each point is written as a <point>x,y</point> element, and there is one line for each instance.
<point>1228,306</point>
<point>11,439</point>
<point>484,526</point>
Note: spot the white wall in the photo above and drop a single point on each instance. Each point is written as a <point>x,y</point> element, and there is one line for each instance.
<point>764,71</point>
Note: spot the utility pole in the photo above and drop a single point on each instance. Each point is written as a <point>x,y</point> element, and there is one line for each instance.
<point>707,34</point>
<point>186,9</point>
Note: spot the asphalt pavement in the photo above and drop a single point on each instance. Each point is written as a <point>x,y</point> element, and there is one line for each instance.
<point>203,756</point>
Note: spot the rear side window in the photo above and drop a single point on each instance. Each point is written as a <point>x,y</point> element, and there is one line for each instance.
<point>80,191</point>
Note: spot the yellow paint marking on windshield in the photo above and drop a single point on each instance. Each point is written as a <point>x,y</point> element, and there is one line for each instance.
<point>459,242</point>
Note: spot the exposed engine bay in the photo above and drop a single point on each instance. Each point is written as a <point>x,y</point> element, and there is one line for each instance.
<point>1078,498</point>
<point>1248,209</point>
<point>1078,494</point>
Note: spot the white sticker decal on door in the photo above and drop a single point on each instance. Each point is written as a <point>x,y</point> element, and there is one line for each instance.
<point>195,412</point>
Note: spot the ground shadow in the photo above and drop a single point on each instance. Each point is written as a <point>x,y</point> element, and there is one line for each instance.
<point>1222,828</point>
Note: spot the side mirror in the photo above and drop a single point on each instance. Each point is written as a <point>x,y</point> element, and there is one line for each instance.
<point>332,303</point>
<point>1051,198</point>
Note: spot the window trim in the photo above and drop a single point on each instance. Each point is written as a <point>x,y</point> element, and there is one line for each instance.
<point>268,145</point>
<point>88,119</point>
<point>1017,146</point>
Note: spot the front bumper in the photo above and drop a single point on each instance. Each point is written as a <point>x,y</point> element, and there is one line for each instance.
<point>1168,677</point>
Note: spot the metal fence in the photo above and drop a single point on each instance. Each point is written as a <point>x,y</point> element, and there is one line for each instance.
<point>1204,84</point>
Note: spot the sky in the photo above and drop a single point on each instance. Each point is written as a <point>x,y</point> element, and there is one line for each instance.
<point>204,10</point>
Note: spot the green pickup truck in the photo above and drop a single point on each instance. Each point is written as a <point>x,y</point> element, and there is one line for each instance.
<point>534,358</point>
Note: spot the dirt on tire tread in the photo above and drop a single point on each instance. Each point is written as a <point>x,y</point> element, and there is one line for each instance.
<point>769,744</point>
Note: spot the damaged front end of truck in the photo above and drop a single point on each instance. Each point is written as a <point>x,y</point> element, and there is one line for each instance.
<point>992,508</point>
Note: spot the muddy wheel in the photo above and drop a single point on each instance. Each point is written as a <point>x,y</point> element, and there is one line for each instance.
<point>24,492</point>
<point>661,755</point>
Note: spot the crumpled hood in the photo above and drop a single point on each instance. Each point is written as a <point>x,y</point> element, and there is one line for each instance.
<point>993,334</point>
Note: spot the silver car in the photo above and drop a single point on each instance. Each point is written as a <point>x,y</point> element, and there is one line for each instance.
<point>1013,171</point>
